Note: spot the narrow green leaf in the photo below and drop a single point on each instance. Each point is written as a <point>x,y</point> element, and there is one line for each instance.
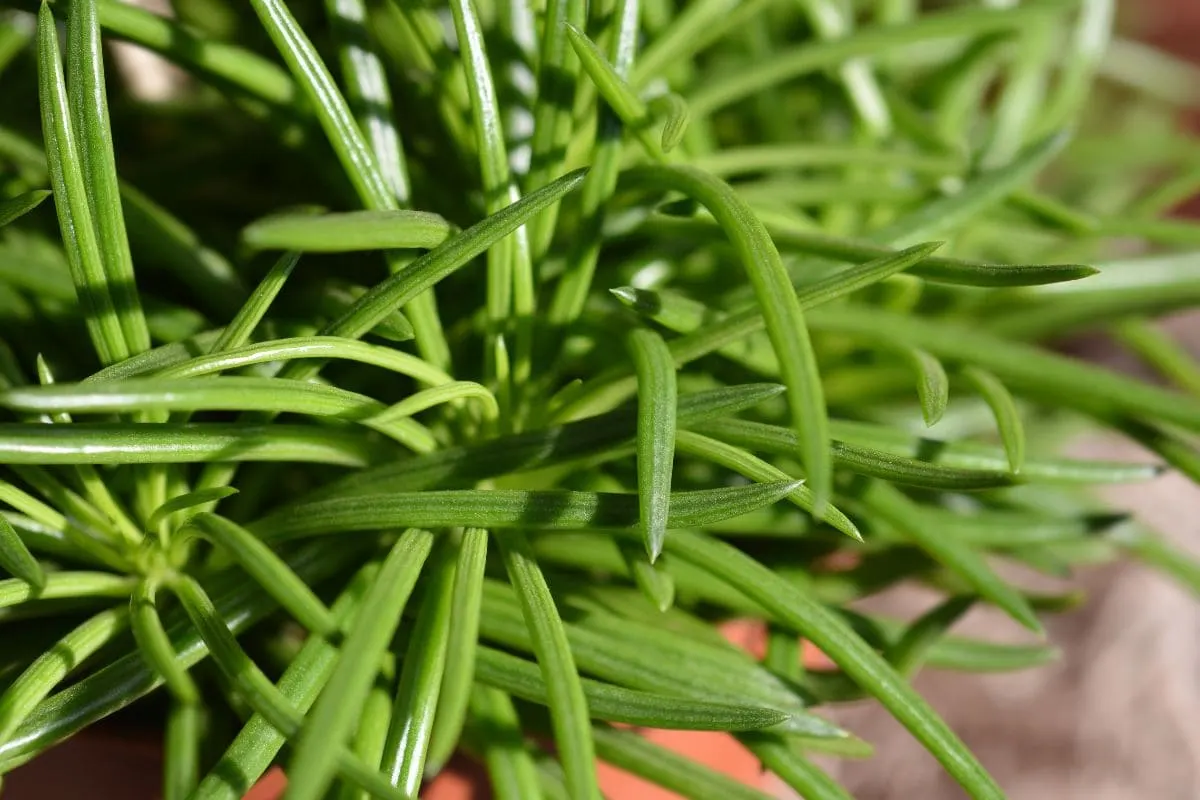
<point>861,460</point>
<point>509,508</point>
<point>655,583</point>
<point>1159,349</point>
<point>365,78</point>
<point>371,735</point>
<point>564,689</point>
<point>16,559</point>
<point>416,701</point>
<point>900,512</point>
<point>912,649</point>
<point>553,117</point>
<point>89,110</point>
<point>50,668</point>
<point>511,771</point>
<point>772,156</point>
<point>459,674</point>
<point>522,679</point>
<point>606,433</point>
<point>185,501</point>
<point>939,269</point>
<point>510,269</point>
<point>122,443</point>
<point>63,585</point>
<point>348,232</point>
<point>655,433</point>
<point>872,42</point>
<point>155,645</point>
<point>649,658</point>
<point>328,725</point>
<point>224,393</point>
<point>988,188</point>
<point>255,747</point>
<point>831,21</point>
<point>454,392</point>
<point>676,116</point>
<point>181,751</point>
<point>573,288</point>
<point>71,199</point>
<point>972,655</point>
<point>162,238</point>
<point>835,638</point>
<point>995,528</point>
<point>781,312</point>
<point>238,332</point>
<point>758,470</point>
<point>16,207</point>
<point>317,347</point>
<point>933,385</point>
<point>260,693</point>
<point>790,765</point>
<point>1004,409</point>
<point>619,96</point>
<point>356,157</point>
<point>450,256</point>
<point>977,456</point>
<point>271,572</point>
<point>1030,370</point>
<point>239,602</point>
<point>709,333</point>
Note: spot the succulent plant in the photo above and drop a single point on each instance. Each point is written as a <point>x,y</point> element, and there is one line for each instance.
<point>594,325</point>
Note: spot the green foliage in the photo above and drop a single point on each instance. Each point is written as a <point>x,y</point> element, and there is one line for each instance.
<point>482,459</point>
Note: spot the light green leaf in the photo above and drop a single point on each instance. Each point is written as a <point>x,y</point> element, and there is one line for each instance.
<point>63,157</point>
<point>269,570</point>
<point>781,312</point>
<point>315,749</point>
<point>89,110</point>
<point>16,207</point>
<point>348,232</point>
<point>569,711</point>
<point>838,641</point>
<point>655,434</point>
<point>16,559</point>
<point>509,508</point>
<point>1004,409</point>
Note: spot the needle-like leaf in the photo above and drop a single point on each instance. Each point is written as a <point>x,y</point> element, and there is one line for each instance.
<point>839,642</point>
<point>510,508</point>
<point>455,696</point>
<point>420,685</point>
<point>564,689</point>
<point>48,670</point>
<point>269,570</point>
<point>16,559</point>
<point>1004,409</point>
<point>781,313</point>
<point>655,434</point>
<point>933,385</point>
<point>89,109</point>
<point>156,646</point>
<point>16,207</point>
<point>349,232</point>
<point>67,179</point>
<point>328,725</point>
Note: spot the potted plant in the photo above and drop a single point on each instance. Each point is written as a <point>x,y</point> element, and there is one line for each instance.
<point>420,379</point>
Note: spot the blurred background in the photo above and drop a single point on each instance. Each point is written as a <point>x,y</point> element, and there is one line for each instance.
<point>1118,716</point>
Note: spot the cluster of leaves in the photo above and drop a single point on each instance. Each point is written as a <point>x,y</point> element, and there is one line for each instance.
<point>624,343</point>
